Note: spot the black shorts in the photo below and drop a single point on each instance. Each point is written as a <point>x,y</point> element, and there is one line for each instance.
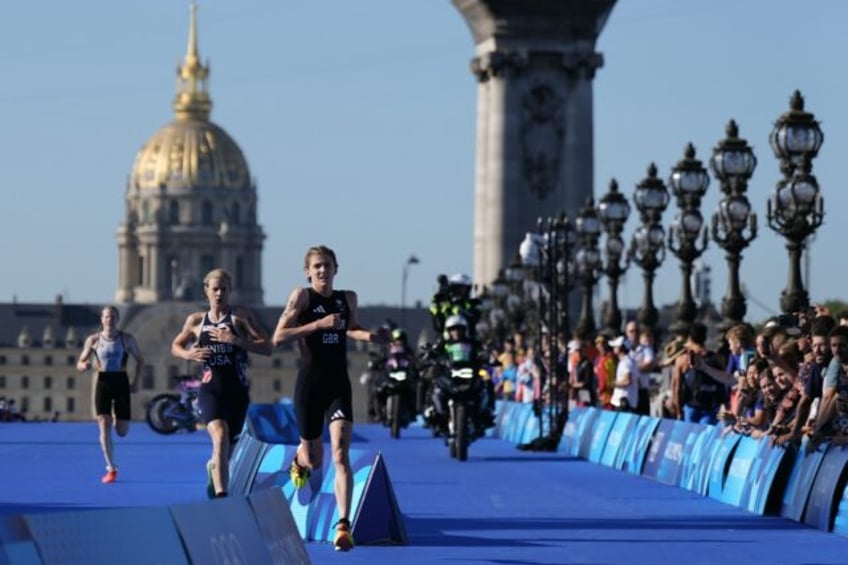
<point>112,394</point>
<point>321,395</point>
<point>224,398</point>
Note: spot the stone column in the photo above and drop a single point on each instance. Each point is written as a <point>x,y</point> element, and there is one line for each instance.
<point>535,62</point>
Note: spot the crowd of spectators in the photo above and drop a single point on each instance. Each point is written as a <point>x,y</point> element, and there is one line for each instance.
<point>784,380</point>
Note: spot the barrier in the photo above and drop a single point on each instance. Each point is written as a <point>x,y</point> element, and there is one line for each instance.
<point>751,474</point>
<point>827,488</point>
<point>636,449</point>
<point>804,471</point>
<point>277,527</point>
<point>600,433</point>
<point>658,442</point>
<point>128,535</point>
<point>16,544</point>
<point>622,427</point>
<point>695,468</point>
<point>314,508</point>
<point>220,531</point>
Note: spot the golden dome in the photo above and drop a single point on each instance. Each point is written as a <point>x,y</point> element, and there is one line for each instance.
<point>191,151</point>
<point>186,154</point>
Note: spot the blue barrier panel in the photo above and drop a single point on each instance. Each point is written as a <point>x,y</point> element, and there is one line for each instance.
<point>766,479</point>
<point>378,519</point>
<point>803,473</point>
<point>662,433</point>
<point>741,467</point>
<point>636,449</point>
<point>512,420</point>
<point>823,494</point>
<point>277,527</point>
<point>273,423</point>
<point>682,436</point>
<point>16,544</point>
<point>719,464</point>
<point>840,522</point>
<point>218,531</point>
<point>125,535</point>
<point>622,428</point>
<point>695,469</point>
<point>244,463</point>
<point>570,435</point>
<point>530,430</point>
<point>314,506</point>
<point>585,431</point>
<point>599,435</point>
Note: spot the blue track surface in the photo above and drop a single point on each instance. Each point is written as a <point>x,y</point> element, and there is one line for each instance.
<point>501,506</point>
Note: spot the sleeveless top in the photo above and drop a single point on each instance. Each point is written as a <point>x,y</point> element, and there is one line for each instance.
<point>111,353</point>
<point>327,348</point>
<point>228,361</point>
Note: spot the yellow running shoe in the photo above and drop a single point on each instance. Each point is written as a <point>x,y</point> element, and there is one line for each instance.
<point>344,539</point>
<point>299,475</point>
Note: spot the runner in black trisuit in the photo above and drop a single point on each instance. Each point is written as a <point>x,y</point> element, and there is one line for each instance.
<point>321,319</point>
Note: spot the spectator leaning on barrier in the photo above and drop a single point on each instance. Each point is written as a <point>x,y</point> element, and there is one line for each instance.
<point>831,419</point>
<point>811,375</point>
<point>698,384</point>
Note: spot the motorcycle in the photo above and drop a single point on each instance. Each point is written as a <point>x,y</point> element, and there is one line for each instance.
<point>457,401</point>
<point>396,392</point>
<point>168,413</point>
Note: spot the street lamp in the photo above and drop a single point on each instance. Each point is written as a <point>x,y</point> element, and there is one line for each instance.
<point>515,299</point>
<point>796,208</point>
<point>587,263</point>
<point>647,247</point>
<point>613,209</point>
<point>412,260</point>
<point>733,162</point>
<point>689,181</point>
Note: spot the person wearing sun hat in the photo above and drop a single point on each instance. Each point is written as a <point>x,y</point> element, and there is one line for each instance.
<point>625,395</point>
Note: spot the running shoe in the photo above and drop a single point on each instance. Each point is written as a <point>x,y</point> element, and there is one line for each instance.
<point>344,539</point>
<point>110,477</point>
<point>299,475</point>
<point>210,483</point>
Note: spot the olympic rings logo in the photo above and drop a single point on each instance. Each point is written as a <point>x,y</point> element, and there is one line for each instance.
<point>227,550</point>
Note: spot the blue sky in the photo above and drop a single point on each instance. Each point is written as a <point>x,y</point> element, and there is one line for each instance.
<point>358,122</point>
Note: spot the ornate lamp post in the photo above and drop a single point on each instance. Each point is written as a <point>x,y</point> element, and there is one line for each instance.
<point>412,260</point>
<point>587,263</point>
<point>497,316</point>
<point>613,209</point>
<point>796,208</point>
<point>733,162</point>
<point>647,247</point>
<point>689,181</point>
<point>515,300</point>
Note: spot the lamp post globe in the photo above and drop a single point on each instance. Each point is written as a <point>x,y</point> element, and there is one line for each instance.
<point>587,263</point>
<point>687,238</point>
<point>796,208</point>
<point>647,248</point>
<point>613,210</point>
<point>733,163</point>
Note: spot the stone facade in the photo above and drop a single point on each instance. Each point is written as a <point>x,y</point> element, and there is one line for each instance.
<point>535,63</point>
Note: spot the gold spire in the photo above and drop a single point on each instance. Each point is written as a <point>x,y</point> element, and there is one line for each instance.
<point>192,100</point>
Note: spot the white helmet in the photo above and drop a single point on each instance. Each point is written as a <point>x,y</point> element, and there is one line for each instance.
<point>455,322</point>
<point>460,279</point>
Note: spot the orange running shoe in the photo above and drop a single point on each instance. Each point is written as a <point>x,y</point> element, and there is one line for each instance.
<point>110,477</point>
<point>344,539</point>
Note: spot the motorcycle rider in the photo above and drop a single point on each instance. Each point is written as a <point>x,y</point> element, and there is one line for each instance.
<point>401,356</point>
<point>456,300</point>
<point>462,350</point>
